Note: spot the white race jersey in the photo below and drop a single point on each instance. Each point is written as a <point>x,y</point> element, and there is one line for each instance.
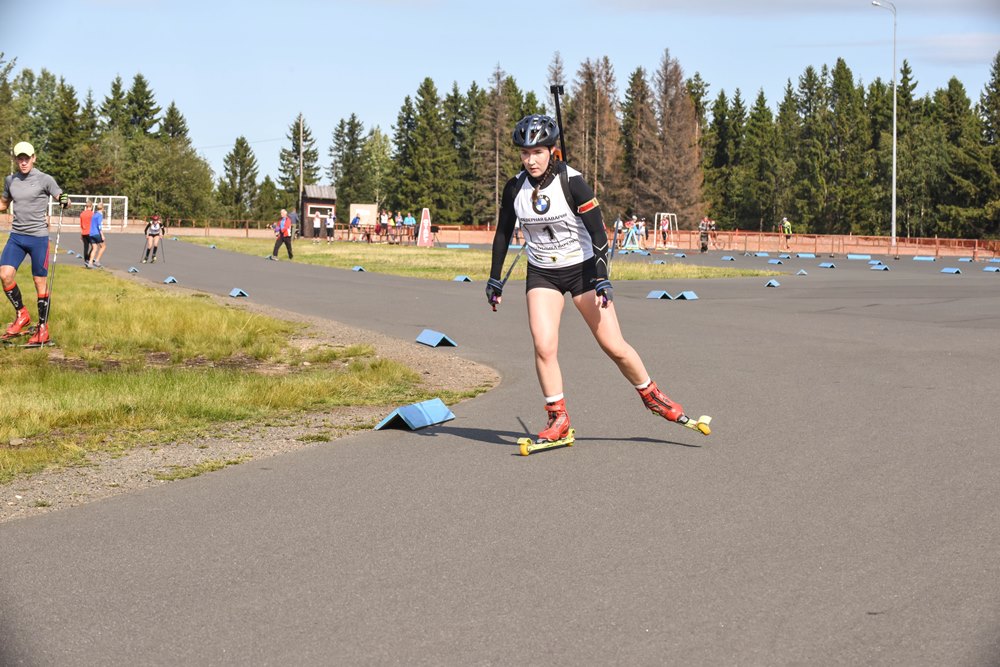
<point>554,234</point>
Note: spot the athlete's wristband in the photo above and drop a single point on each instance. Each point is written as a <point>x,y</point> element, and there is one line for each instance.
<point>604,289</point>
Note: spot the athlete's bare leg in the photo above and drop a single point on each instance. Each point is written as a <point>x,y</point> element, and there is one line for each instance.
<point>603,323</point>
<point>545,308</point>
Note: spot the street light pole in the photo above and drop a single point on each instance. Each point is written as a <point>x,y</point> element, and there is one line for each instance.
<point>885,4</point>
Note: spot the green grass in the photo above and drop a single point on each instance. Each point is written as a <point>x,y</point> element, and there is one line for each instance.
<point>446,263</point>
<point>139,365</point>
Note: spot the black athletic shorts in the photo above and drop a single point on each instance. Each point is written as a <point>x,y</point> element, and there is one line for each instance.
<point>577,279</point>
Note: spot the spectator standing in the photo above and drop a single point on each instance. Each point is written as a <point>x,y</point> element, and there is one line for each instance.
<point>786,229</point>
<point>317,226</point>
<point>355,227</point>
<point>283,235</point>
<point>85,217</point>
<point>97,244</point>
<point>411,224</point>
<point>331,226</point>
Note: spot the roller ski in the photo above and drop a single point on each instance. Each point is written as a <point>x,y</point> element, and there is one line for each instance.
<point>556,434</point>
<point>39,338</point>
<point>658,402</point>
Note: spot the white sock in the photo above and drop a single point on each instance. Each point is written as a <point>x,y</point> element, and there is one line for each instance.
<point>553,399</point>
<point>645,384</point>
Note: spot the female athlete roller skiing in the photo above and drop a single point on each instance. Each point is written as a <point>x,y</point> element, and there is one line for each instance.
<point>567,248</point>
<point>154,230</point>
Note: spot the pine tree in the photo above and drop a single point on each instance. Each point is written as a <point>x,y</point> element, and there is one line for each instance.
<point>459,117</point>
<point>269,201</point>
<point>557,77</point>
<point>989,112</point>
<point>404,189</point>
<point>433,172</point>
<point>813,193</point>
<point>346,170</point>
<point>466,137</point>
<point>9,121</point>
<point>592,122</point>
<point>640,147</point>
<point>698,90</point>
<point>237,189</point>
<point>788,130</point>
<point>37,108</point>
<point>970,178</point>
<point>850,199</point>
<point>89,120</point>
<point>756,182</point>
<point>718,158</point>
<point>140,106</point>
<point>114,110</point>
<point>288,161</point>
<point>61,157</point>
<point>376,165</point>
<point>494,158</point>
<point>681,176</point>
<point>173,125</point>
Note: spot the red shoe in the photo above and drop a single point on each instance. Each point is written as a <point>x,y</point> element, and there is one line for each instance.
<point>658,402</point>
<point>20,321</point>
<point>558,427</point>
<point>41,335</point>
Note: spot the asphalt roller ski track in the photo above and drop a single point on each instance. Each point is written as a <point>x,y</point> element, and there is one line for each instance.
<point>844,510</point>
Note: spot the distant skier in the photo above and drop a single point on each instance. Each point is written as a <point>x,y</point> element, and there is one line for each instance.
<point>154,232</point>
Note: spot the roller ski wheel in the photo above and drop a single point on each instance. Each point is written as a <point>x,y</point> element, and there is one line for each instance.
<point>702,425</point>
<point>529,446</point>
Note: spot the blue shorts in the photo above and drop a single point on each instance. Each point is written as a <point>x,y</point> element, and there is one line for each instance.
<point>97,238</point>
<point>19,245</point>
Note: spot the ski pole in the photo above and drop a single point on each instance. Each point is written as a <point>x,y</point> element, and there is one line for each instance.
<point>556,91</point>
<point>614,245</point>
<point>506,276</point>
<point>51,278</point>
<point>142,250</point>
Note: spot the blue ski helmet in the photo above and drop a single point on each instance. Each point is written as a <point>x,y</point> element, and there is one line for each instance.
<point>536,130</point>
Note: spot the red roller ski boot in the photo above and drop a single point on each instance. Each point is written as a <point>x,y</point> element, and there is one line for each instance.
<point>40,338</point>
<point>658,402</point>
<point>17,327</point>
<point>556,434</point>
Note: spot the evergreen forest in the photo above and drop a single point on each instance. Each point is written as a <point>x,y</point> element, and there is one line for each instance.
<point>655,141</point>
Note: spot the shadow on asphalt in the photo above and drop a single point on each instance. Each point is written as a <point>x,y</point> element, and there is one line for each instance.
<point>509,438</point>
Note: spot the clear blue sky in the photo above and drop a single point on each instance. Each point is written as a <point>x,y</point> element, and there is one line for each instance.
<point>249,67</point>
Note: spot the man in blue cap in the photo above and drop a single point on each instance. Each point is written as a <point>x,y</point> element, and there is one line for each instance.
<point>29,190</point>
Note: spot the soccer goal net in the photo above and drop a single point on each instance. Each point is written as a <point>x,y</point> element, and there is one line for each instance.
<point>115,209</point>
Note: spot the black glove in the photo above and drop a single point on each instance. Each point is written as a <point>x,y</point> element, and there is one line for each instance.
<point>64,200</point>
<point>494,290</point>
<point>604,290</point>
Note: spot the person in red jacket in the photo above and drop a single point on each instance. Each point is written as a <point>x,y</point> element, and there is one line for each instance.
<point>86,215</point>
<point>283,234</point>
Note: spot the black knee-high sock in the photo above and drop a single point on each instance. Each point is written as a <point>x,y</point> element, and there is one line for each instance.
<point>43,308</point>
<point>14,296</point>
<point>155,248</point>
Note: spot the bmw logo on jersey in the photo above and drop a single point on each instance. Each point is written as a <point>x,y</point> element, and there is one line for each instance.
<point>541,205</point>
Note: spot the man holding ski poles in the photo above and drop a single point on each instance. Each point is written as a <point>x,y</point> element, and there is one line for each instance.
<point>29,190</point>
